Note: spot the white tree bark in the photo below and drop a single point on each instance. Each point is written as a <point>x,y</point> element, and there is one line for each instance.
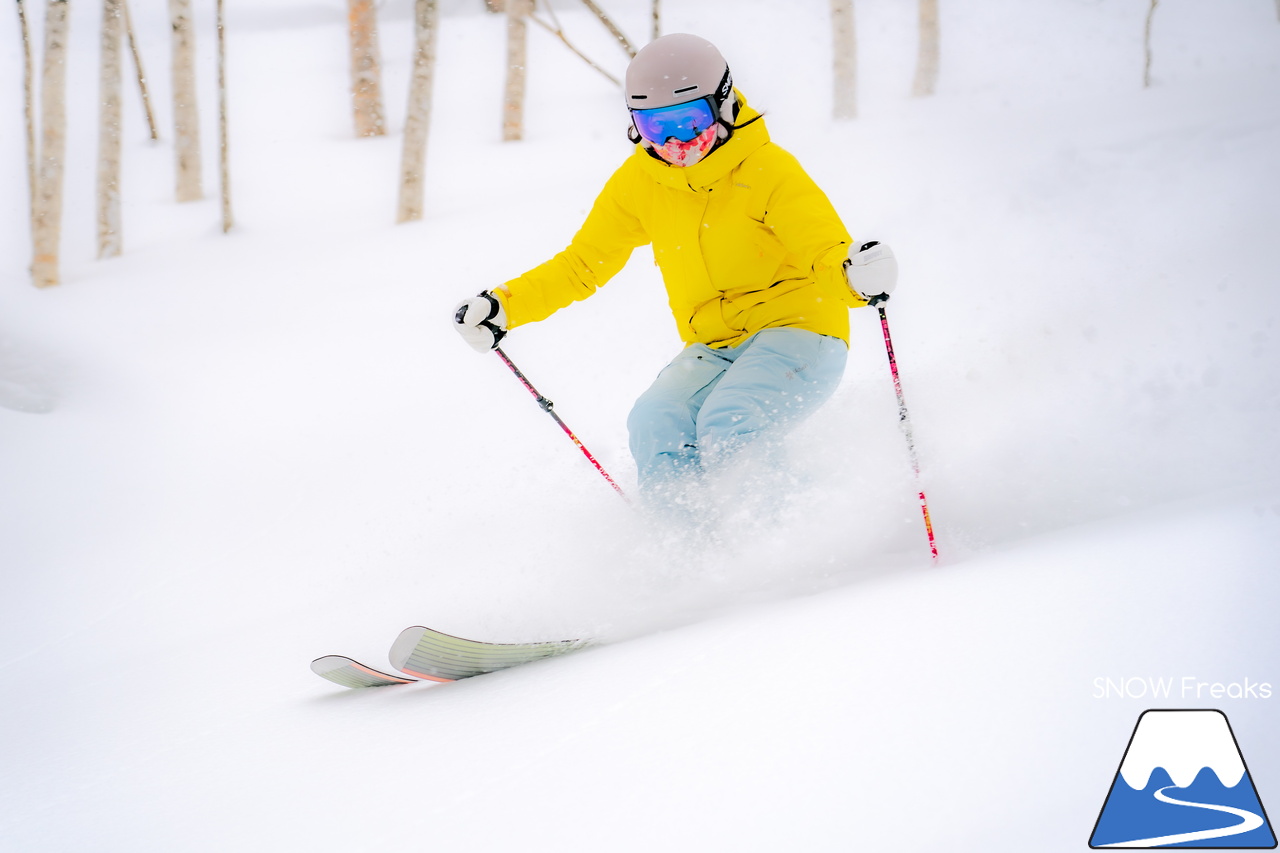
<point>413,157</point>
<point>29,111</point>
<point>517,54</point>
<point>142,75</point>
<point>656,29</point>
<point>53,140</point>
<point>1146,45</point>
<point>845,55</point>
<point>927,61</point>
<point>366,68</point>
<point>224,160</point>
<point>109,84</point>
<point>186,117</point>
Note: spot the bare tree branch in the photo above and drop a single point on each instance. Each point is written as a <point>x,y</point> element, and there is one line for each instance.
<point>613,28</point>
<point>142,76</point>
<point>555,29</point>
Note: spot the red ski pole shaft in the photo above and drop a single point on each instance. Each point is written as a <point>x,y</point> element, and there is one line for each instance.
<point>548,407</point>
<point>904,421</point>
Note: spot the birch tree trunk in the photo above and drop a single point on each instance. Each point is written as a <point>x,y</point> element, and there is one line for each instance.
<point>927,61</point>
<point>186,118</point>
<point>517,54</point>
<point>53,142</point>
<point>142,75</point>
<point>109,80</point>
<point>366,70</point>
<point>656,29</point>
<point>224,161</point>
<point>845,55</point>
<point>1146,45</point>
<point>413,157</point>
<point>29,111</point>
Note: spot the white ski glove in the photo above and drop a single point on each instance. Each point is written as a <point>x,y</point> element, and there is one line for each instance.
<point>481,320</point>
<point>872,272</point>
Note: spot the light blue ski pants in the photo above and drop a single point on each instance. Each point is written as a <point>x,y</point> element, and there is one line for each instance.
<point>708,403</point>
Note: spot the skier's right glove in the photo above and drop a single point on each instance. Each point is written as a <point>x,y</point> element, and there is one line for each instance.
<point>872,272</point>
<point>481,320</point>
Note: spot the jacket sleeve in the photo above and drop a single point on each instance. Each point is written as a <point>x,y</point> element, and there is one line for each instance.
<point>803,218</point>
<point>598,251</point>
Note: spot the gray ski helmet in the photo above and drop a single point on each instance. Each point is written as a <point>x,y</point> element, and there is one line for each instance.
<point>675,69</point>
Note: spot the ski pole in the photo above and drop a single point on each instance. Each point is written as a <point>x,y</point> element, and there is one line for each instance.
<point>548,407</point>
<point>905,422</point>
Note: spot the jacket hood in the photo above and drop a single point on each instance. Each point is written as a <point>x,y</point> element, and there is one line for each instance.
<point>750,135</point>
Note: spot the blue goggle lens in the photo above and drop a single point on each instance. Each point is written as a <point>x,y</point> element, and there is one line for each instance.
<point>683,121</point>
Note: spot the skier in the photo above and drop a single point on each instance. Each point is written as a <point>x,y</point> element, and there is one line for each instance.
<point>759,270</point>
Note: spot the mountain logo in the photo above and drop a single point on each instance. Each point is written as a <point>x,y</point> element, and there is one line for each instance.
<point>1183,783</point>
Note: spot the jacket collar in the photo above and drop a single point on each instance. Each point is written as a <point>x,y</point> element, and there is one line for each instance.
<point>720,162</point>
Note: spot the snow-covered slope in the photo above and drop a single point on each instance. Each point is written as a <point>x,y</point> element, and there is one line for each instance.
<point>222,456</point>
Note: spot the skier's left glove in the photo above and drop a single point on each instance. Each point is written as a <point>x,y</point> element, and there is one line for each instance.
<point>481,320</point>
<point>872,272</point>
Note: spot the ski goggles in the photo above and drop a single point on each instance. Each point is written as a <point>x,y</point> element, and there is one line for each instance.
<point>682,121</point>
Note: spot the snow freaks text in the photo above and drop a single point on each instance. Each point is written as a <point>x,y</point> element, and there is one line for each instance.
<point>1187,687</point>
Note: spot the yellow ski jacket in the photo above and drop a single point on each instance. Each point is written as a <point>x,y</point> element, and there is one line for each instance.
<point>745,240</point>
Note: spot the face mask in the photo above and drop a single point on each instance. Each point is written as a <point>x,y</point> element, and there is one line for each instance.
<point>679,153</point>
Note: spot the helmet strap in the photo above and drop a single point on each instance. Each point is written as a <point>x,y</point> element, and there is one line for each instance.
<point>728,115</point>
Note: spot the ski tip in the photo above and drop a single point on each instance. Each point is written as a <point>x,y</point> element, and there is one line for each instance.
<point>353,674</point>
<point>437,656</point>
<point>404,645</point>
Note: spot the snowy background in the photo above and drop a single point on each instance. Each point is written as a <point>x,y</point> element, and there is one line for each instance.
<point>223,456</point>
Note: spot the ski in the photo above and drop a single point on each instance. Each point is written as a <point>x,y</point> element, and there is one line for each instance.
<point>350,673</point>
<point>436,656</point>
